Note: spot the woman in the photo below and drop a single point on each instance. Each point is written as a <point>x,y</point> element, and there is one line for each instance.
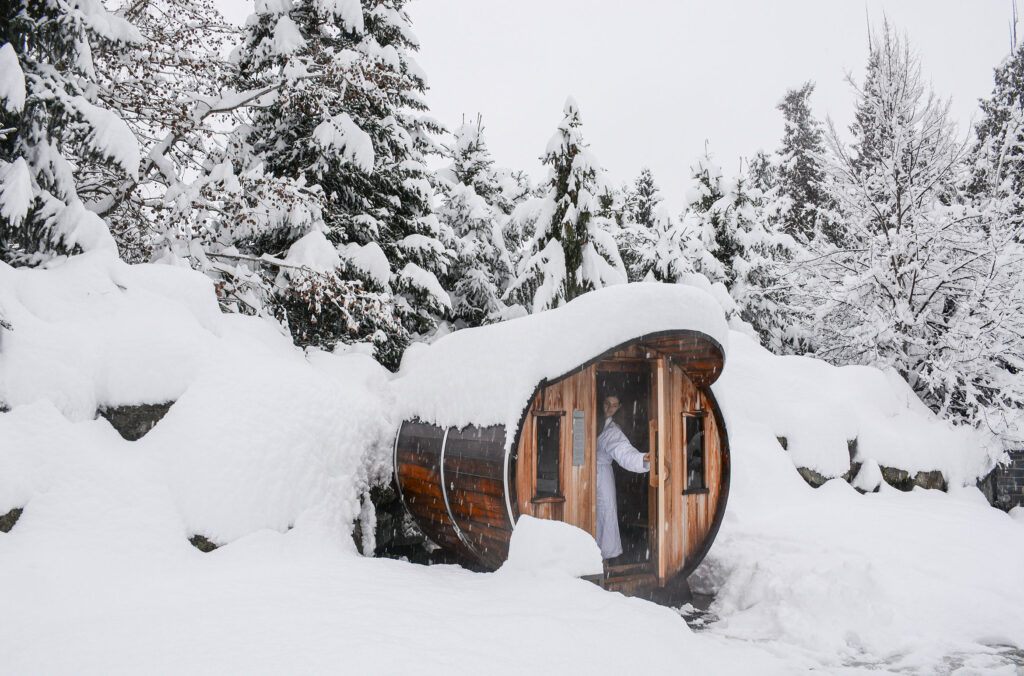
<point>612,444</point>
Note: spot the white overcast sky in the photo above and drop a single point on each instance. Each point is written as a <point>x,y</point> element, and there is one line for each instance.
<point>655,79</point>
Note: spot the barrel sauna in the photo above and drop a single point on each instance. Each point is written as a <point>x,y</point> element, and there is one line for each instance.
<point>466,486</point>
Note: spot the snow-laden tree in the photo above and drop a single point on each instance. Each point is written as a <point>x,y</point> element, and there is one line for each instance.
<point>670,250</point>
<point>708,204</point>
<point>52,123</point>
<point>804,208</point>
<point>761,265</point>
<point>642,202</point>
<point>169,88</point>
<point>572,250</point>
<point>924,284</point>
<point>998,153</point>
<point>333,143</point>
<point>643,199</point>
<point>471,207</point>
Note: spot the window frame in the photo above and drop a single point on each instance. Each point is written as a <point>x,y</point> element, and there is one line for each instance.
<point>557,495</point>
<point>700,415</point>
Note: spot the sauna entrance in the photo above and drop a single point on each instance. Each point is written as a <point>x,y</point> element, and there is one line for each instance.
<point>636,499</point>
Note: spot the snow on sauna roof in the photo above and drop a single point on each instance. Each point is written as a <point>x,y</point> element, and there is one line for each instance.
<point>485,376</point>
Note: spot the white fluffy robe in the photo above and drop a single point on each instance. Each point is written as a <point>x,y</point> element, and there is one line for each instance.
<point>612,444</point>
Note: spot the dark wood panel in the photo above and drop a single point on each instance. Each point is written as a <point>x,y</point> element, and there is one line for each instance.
<point>485,468</point>
<point>474,484</point>
<point>472,512</point>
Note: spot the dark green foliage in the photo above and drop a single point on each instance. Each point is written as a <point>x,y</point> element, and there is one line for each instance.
<point>712,209</point>
<point>805,206</point>
<point>643,199</point>
<point>998,152</point>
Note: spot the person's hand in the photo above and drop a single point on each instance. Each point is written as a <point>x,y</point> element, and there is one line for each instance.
<point>647,457</point>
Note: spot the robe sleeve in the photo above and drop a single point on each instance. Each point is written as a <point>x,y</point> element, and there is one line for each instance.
<point>623,453</point>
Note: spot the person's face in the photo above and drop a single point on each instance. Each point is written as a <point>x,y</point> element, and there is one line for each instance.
<point>611,405</point>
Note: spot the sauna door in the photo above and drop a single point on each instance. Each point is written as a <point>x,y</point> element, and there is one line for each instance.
<point>631,381</point>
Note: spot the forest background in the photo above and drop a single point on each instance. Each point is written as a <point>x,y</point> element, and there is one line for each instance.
<point>294,160</point>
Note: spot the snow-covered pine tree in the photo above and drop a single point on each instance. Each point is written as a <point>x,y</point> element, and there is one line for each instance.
<point>805,211</point>
<point>708,204</point>
<point>926,285</point>
<point>998,152</point>
<point>572,250</point>
<point>392,206</point>
<point>482,268</point>
<point>643,199</point>
<point>641,202</point>
<point>52,123</point>
<point>341,132</point>
<point>762,298</point>
<point>667,251</point>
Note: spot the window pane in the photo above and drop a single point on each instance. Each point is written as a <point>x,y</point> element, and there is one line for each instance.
<point>548,430</point>
<point>694,452</point>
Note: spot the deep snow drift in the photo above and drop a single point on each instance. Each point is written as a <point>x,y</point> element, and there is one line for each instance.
<point>268,451</point>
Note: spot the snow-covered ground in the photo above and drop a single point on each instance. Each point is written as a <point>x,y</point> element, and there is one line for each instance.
<point>268,450</point>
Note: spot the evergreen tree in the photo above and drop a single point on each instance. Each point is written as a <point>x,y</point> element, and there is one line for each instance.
<point>642,201</point>
<point>805,212</point>
<point>572,250</point>
<point>52,123</point>
<point>482,267</point>
<point>337,144</point>
<point>708,204</point>
<point>763,253</point>
<point>997,179</point>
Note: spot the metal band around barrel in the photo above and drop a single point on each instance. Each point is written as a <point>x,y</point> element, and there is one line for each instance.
<point>504,478</point>
<point>447,505</point>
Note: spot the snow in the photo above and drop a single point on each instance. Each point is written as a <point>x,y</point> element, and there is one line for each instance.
<point>287,38</point>
<point>15,190</point>
<point>12,80</point>
<point>486,376</point>
<point>268,449</point>
<point>424,280</point>
<point>818,408</point>
<point>110,136</point>
<point>313,251</point>
<point>342,133</point>
<point>371,260</point>
<point>75,225</point>
<point>349,11</point>
<point>97,332</point>
<point>543,547</point>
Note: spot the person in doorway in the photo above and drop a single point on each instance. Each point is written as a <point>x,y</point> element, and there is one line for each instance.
<point>612,444</point>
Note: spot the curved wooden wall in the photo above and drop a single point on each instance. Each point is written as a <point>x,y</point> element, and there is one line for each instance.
<point>453,484</point>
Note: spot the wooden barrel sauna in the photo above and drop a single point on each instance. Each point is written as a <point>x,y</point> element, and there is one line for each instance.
<point>466,487</point>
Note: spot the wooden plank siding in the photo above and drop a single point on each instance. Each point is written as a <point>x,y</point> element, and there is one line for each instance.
<point>576,484</point>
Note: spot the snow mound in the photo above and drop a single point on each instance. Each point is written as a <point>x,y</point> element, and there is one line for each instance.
<point>543,547</point>
<point>261,435</point>
<point>485,376</point>
<point>94,332</point>
<point>820,409</point>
